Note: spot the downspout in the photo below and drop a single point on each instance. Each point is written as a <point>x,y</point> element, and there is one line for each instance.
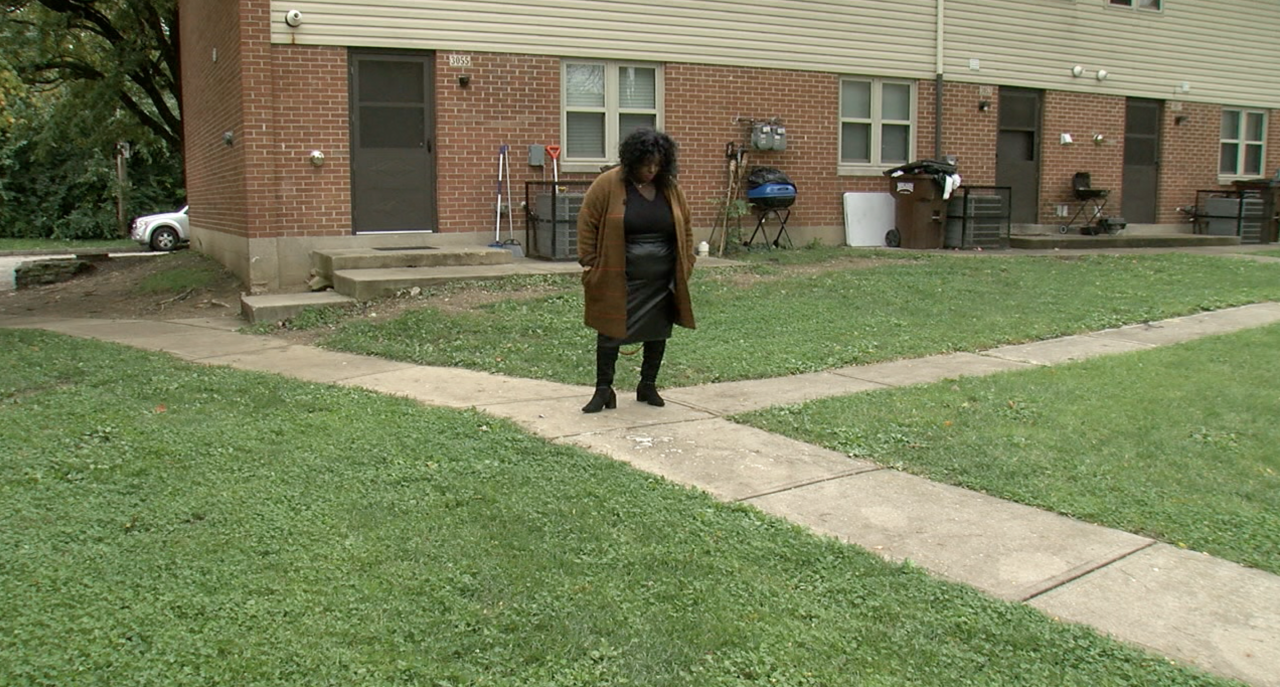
<point>937,81</point>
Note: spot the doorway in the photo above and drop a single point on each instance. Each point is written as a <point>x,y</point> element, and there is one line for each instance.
<point>393,162</point>
<point>1018,152</point>
<point>1141,181</point>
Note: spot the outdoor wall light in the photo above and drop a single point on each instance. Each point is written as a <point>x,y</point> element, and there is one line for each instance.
<point>293,18</point>
<point>1101,75</point>
<point>316,158</point>
<point>228,138</point>
<point>1077,70</point>
<point>1179,120</point>
<point>1099,139</point>
<point>1065,139</point>
<point>464,80</point>
<point>984,105</point>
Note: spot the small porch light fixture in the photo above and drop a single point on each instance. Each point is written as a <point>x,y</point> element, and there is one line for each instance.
<point>1102,75</point>
<point>1077,71</point>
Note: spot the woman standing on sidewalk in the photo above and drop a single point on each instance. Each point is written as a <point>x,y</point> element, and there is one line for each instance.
<point>635,244</point>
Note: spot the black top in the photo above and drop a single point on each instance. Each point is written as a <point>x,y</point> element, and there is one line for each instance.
<point>646,217</point>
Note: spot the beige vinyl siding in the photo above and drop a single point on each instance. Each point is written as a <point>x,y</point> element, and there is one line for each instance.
<point>1227,50</point>
<point>872,37</point>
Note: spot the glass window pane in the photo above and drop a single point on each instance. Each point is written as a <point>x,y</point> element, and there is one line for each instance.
<point>855,99</point>
<point>392,127</point>
<point>1252,160</point>
<point>1230,125</point>
<point>855,142</point>
<point>584,85</point>
<point>585,135</point>
<point>894,143</point>
<point>895,101</point>
<point>391,81</point>
<point>1149,4</point>
<point>1253,126</point>
<point>1227,159</point>
<point>637,88</point>
<point>630,122</point>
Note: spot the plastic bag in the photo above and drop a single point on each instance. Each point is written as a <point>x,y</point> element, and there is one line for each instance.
<point>759,176</point>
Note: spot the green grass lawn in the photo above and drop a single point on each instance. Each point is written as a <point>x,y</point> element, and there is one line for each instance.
<point>170,524</point>
<point>765,321</point>
<point>1177,443</point>
<point>1268,253</point>
<point>56,245</point>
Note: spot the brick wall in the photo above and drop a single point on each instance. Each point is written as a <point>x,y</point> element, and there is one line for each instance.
<point>516,99</point>
<point>708,106</point>
<point>1082,115</point>
<point>258,136</point>
<point>1189,159</point>
<point>970,132</point>
<point>511,99</point>
<point>309,112</point>
<point>211,106</point>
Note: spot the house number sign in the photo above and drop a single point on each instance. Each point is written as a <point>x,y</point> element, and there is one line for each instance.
<point>459,60</point>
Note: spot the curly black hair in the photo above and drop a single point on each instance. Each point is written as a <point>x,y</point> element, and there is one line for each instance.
<point>643,144</point>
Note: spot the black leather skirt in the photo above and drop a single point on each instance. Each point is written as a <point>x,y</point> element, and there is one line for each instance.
<point>651,274</point>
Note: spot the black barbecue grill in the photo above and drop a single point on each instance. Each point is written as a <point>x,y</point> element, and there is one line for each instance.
<point>771,193</point>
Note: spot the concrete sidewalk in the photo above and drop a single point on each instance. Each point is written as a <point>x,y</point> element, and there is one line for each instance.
<point>1211,613</point>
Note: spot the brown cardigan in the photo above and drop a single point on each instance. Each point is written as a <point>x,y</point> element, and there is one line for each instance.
<point>602,249</point>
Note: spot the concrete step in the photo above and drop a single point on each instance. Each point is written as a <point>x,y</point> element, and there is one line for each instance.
<point>1120,240</point>
<point>366,284</point>
<point>282,306</point>
<point>327,262</point>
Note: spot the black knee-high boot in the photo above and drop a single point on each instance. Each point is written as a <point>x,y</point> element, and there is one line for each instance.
<point>606,361</point>
<point>647,392</point>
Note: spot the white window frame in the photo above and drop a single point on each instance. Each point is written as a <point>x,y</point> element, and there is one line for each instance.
<point>1242,143</point>
<point>611,111</point>
<point>1143,5</point>
<point>875,166</point>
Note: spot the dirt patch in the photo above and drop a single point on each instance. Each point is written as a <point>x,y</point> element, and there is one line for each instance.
<point>131,287</point>
<point>118,288</point>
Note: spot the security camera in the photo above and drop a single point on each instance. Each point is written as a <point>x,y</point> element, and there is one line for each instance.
<point>293,18</point>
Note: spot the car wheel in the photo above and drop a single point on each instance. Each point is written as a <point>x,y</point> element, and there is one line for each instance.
<point>164,239</point>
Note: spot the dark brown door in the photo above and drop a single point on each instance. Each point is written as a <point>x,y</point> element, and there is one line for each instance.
<point>1141,160</point>
<point>393,163</point>
<point>1018,152</point>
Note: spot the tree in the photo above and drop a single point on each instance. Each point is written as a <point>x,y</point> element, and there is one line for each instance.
<point>126,49</point>
<point>78,78</point>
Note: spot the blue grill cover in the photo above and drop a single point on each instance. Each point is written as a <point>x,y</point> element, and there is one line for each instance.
<point>772,195</point>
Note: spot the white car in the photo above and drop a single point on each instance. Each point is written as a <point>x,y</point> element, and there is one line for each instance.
<point>164,232</point>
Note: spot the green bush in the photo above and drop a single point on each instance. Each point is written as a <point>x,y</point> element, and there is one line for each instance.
<point>58,176</point>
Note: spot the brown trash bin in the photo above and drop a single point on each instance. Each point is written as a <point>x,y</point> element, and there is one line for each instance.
<point>920,212</point>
